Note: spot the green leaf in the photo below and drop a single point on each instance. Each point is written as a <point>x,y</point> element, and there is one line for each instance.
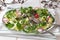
<point>10,13</point>
<point>42,24</point>
<point>19,26</point>
<point>39,11</point>
<point>30,29</point>
<point>9,25</point>
<point>23,10</point>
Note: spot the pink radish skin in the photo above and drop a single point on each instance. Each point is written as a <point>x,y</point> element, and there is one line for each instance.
<point>18,14</point>
<point>5,20</point>
<point>40,29</point>
<point>48,18</point>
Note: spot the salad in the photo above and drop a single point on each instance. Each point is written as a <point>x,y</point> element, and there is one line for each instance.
<point>29,20</point>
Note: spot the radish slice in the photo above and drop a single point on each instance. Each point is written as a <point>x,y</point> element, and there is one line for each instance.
<point>48,18</point>
<point>5,20</point>
<point>40,29</point>
<point>18,14</point>
<point>36,7</point>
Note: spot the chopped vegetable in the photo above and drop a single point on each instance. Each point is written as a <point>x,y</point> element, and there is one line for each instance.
<point>36,16</point>
<point>5,20</point>
<point>19,26</point>
<point>9,25</point>
<point>40,29</point>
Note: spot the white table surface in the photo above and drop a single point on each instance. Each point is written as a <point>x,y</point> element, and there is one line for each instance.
<point>33,3</point>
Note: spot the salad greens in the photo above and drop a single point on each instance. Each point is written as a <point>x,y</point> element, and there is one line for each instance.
<point>9,25</point>
<point>28,19</point>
